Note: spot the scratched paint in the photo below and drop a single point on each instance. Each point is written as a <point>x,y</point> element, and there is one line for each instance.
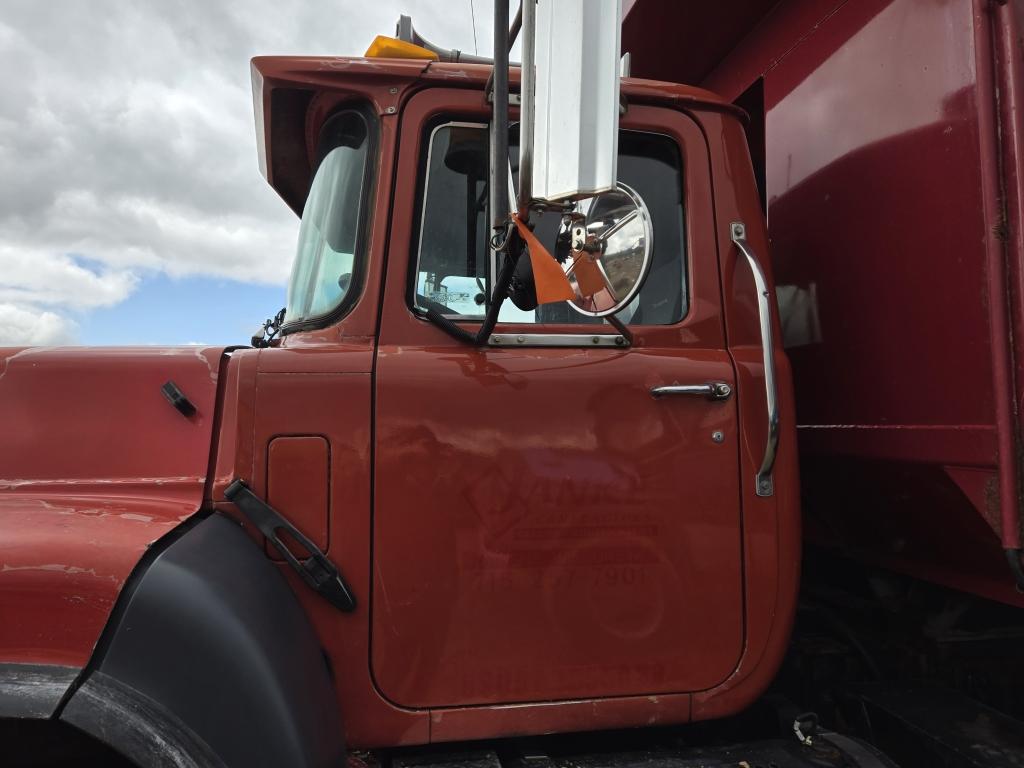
<point>87,487</point>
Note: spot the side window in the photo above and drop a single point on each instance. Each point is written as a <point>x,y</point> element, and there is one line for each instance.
<point>330,241</point>
<point>453,264</point>
<point>453,268</point>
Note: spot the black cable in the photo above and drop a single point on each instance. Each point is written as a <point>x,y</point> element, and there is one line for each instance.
<point>458,333</point>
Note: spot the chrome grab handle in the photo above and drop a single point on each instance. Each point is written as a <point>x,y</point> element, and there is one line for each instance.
<point>765,483</point>
<point>715,390</point>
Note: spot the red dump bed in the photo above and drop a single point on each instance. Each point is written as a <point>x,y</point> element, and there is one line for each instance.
<point>887,134</point>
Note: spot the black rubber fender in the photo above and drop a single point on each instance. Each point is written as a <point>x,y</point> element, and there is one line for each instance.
<point>211,661</point>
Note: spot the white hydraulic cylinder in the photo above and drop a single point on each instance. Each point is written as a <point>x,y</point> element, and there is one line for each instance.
<point>576,98</point>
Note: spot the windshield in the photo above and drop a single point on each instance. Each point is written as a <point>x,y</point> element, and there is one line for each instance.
<point>329,237</point>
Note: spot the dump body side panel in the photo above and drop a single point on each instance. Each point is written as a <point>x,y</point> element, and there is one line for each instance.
<point>884,192</point>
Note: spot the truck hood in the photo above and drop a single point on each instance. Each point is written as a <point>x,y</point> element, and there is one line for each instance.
<point>96,464</point>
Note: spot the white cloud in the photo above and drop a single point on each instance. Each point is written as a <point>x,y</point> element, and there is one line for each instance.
<point>38,277</point>
<point>127,146</point>
<point>27,327</point>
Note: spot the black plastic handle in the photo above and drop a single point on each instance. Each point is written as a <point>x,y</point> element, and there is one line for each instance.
<point>316,570</point>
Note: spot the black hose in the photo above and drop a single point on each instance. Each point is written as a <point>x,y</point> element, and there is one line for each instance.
<point>449,327</point>
<point>458,333</point>
<point>508,269</point>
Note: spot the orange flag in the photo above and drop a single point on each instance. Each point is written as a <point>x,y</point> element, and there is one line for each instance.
<point>588,276</point>
<point>548,278</point>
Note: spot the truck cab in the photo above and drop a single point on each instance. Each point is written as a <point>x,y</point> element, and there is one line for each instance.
<point>548,517</point>
<point>538,537</point>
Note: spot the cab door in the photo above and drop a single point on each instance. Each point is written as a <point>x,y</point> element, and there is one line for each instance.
<point>544,527</point>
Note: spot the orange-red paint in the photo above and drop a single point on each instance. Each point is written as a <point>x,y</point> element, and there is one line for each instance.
<point>536,544</point>
<point>95,465</point>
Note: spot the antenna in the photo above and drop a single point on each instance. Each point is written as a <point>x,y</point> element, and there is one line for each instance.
<point>472,15</point>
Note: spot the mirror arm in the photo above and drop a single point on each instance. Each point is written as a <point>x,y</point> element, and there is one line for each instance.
<point>517,23</point>
<point>618,325</point>
<point>513,33</point>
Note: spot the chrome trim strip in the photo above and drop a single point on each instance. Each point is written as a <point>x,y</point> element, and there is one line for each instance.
<point>713,390</point>
<point>557,340</point>
<point>765,482</point>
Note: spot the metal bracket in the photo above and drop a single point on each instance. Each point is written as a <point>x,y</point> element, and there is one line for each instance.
<point>513,99</point>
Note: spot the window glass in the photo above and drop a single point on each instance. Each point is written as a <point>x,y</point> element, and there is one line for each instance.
<point>329,236</point>
<point>453,265</point>
<point>452,270</point>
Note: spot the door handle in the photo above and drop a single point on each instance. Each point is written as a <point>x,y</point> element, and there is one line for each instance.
<point>765,483</point>
<point>715,390</point>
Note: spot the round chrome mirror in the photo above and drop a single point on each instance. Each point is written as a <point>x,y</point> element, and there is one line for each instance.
<point>611,240</point>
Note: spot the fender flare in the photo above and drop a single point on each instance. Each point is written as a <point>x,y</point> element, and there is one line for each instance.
<point>211,662</point>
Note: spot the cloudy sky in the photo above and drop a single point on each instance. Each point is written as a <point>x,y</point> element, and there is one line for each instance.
<point>131,207</point>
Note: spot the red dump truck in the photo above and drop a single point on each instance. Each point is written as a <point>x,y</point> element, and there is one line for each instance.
<point>524,455</point>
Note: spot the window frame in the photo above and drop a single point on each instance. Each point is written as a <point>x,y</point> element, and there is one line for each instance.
<point>422,186</point>
<point>363,226</point>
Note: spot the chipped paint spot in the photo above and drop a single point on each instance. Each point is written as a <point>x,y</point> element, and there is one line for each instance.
<point>341,64</point>
<point>139,518</point>
<point>199,352</point>
<point>71,570</point>
<point>13,484</point>
<point>7,360</point>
